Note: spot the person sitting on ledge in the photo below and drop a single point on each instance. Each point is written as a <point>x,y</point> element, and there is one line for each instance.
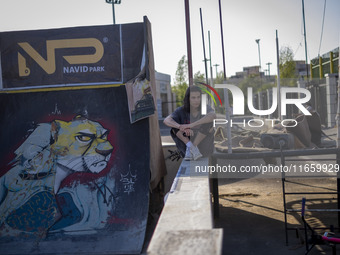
<point>192,132</point>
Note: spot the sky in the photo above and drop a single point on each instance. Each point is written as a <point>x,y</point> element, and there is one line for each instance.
<point>244,21</point>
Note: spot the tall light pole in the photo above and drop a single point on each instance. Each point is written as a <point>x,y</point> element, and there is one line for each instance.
<point>278,76</point>
<point>216,65</point>
<point>205,59</point>
<point>258,46</point>
<point>188,33</point>
<point>113,2</point>
<point>268,64</point>
<point>222,41</point>
<point>305,36</point>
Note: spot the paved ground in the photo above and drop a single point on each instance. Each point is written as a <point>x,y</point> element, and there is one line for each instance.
<point>251,215</point>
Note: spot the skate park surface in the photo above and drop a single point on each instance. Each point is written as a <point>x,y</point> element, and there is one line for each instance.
<point>252,213</point>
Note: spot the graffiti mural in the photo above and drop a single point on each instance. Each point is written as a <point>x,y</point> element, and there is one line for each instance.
<point>73,169</point>
<point>30,190</point>
<point>74,172</point>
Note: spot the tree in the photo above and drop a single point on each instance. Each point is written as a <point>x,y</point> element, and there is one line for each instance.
<point>181,84</point>
<point>199,77</point>
<point>220,78</point>
<point>251,81</point>
<point>181,72</point>
<point>287,66</point>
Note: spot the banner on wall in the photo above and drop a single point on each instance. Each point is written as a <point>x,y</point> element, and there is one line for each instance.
<point>61,56</point>
<point>82,56</point>
<point>141,90</point>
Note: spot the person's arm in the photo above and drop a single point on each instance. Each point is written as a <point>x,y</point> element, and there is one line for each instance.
<point>206,119</point>
<point>209,117</point>
<point>170,122</point>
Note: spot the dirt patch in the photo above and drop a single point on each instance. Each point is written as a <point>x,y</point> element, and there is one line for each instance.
<point>252,215</point>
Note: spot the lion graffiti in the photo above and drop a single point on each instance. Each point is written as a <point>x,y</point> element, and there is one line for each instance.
<point>31,195</point>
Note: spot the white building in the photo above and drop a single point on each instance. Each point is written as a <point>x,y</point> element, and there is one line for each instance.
<point>165,99</point>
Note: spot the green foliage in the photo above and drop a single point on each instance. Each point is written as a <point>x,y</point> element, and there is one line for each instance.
<point>199,77</point>
<point>181,72</point>
<point>180,92</point>
<point>266,86</point>
<point>219,79</point>
<point>181,84</point>
<point>287,67</point>
<point>252,81</point>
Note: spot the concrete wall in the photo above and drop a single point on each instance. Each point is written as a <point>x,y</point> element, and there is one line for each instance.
<point>331,99</point>
<point>186,223</point>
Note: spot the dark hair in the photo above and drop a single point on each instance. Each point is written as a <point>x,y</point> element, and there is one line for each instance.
<point>186,100</point>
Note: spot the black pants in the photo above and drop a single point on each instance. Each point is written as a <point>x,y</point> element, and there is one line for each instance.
<point>206,146</point>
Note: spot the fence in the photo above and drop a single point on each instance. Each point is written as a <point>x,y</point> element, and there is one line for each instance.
<point>324,99</point>
<point>327,63</point>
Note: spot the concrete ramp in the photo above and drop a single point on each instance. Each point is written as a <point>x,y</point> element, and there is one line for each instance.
<point>74,171</point>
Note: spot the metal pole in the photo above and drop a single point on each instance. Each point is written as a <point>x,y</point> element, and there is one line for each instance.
<point>226,96</point>
<point>216,65</point>
<point>278,77</point>
<point>338,145</point>
<point>205,59</point>
<point>214,181</point>
<point>187,22</point>
<point>211,69</point>
<point>337,118</point>
<point>113,12</point>
<point>268,64</point>
<point>283,179</point>
<point>258,46</point>
<point>113,2</point>
<point>304,32</point>
<point>224,72</point>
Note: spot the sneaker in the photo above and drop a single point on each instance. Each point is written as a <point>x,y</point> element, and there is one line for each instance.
<point>195,152</point>
<point>188,154</point>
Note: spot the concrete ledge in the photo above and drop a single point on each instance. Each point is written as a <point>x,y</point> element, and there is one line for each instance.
<point>201,242</point>
<point>186,223</point>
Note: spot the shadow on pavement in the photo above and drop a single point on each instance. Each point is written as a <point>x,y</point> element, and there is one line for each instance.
<point>250,233</point>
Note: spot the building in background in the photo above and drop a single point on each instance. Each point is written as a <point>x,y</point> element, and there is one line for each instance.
<point>165,99</point>
<point>301,68</point>
<point>249,71</point>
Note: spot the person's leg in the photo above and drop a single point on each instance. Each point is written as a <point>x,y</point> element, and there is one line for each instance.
<point>183,138</point>
<point>204,131</point>
<point>183,143</point>
<point>206,146</point>
<point>189,155</point>
<point>179,143</point>
<point>199,138</point>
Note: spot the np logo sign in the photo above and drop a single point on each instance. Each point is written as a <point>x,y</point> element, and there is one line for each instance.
<point>49,64</point>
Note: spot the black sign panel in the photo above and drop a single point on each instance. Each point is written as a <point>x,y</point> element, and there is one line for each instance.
<point>80,55</point>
